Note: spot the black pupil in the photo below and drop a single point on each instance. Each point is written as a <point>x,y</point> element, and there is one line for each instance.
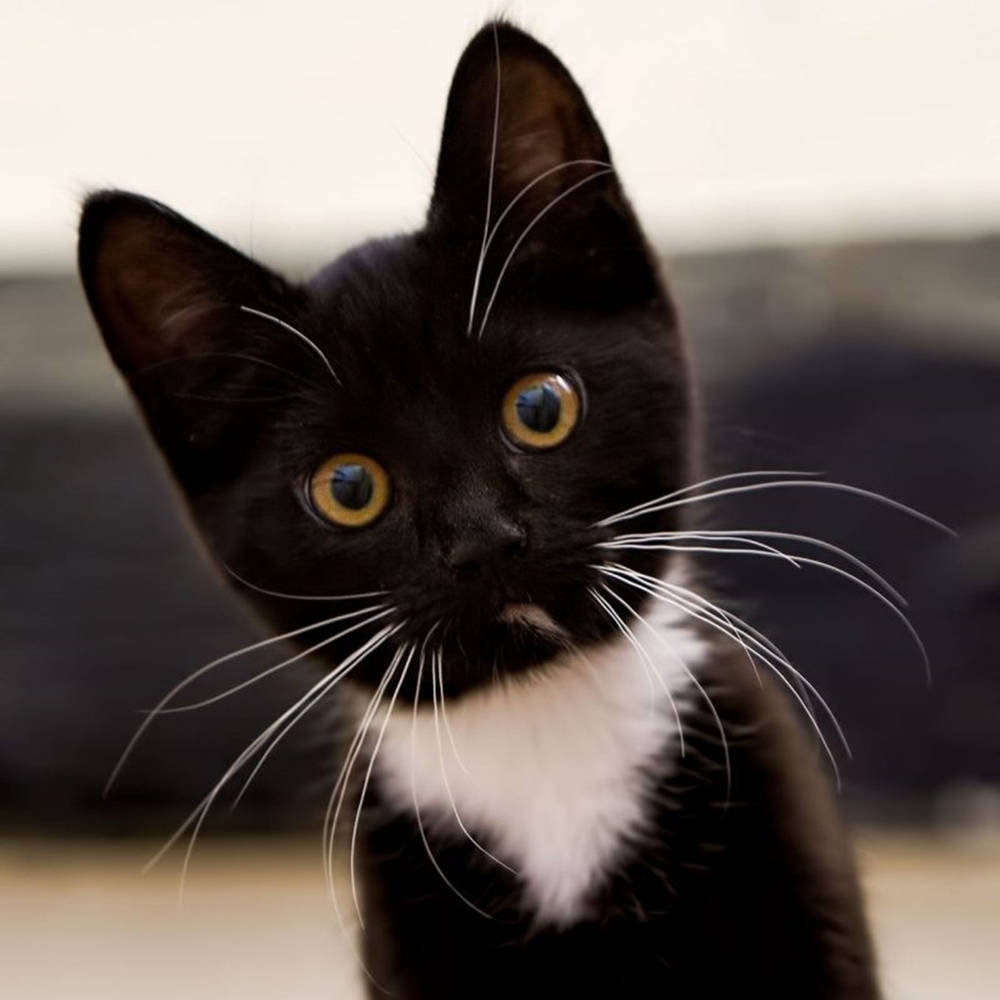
<point>352,486</point>
<point>538,407</point>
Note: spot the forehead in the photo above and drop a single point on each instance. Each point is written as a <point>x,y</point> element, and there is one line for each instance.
<point>394,317</point>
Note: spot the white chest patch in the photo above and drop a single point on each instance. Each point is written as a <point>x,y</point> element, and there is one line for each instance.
<point>549,770</point>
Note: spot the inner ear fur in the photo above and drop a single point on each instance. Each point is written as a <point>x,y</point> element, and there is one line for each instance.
<point>167,298</point>
<point>547,196</point>
<point>542,123</point>
<point>160,287</point>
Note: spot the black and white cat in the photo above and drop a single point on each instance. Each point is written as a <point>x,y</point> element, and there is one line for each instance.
<point>471,447</point>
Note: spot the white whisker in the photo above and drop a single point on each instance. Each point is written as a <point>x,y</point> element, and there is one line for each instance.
<point>197,816</point>
<point>444,714</point>
<point>368,775</point>
<point>782,484</point>
<point>288,726</point>
<point>640,508</point>
<point>717,619</point>
<point>191,706</point>
<point>762,647</point>
<point>353,748</point>
<point>645,659</point>
<point>331,816</point>
<point>652,545</point>
<point>527,229</point>
<point>191,678</point>
<point>297,715</point>
<point>437,682</point>
<point>742,631</point>
<point>303,597</point>
<point>489,188</point>
<point>749,535</point>
<point>829,567</point>
<point>299,334</point>
<point>690,674</point>
<point>538,180</point>
<point>416,800</point>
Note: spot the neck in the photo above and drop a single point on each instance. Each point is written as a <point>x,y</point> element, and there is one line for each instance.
<point>551,769</point>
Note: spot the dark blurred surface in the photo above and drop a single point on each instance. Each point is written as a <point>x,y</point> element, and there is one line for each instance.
<point>878,365</point>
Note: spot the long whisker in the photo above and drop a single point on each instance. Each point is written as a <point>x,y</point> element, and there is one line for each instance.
<point>190,679</point>
<point>652,545</point>
<point>330,819</point>
<point>750,534</point>
<point>489,189</point>
<point>690,674</point>
<point>302,597</point>
<point>645,657</point>
<point>741,633</point>
<point>733,632</point>
<point>367,779</point>
<point>299,334</point>
<point>783,484</point>
<point>640,508</point>
<point>830,568</point>
<point>324,687</point>
<point>340,785</point>
<point>135,376</point>
<point>310,697</point>
<point>437,682</point>
<point>527,229</point>
<point>302,654</point>
<point>444,712</point>
<point>644,660</point>
<point>716,536</point>
<point>538,180</point>
<point>745,632</point>
<point>760,646</point>
<point>416,800</point>
<point>231,400</point>
<point>335,803</point>
<point>281,735</point>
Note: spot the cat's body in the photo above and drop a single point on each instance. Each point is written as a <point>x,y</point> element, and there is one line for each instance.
<point>707,891</point>
<point>572,779</point>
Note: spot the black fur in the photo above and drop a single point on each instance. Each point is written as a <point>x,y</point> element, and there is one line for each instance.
<point>757,895</point>
<point>746,890</point>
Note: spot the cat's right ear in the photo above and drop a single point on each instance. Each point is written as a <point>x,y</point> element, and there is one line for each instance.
<point>169,300</point>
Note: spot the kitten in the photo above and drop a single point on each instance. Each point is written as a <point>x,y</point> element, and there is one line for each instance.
<point>574,776</point>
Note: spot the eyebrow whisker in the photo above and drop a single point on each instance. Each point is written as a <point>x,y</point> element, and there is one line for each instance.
<point>298,333</point>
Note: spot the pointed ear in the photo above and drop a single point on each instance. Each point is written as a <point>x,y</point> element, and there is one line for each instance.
<point>522,152</point>
<point>167,297</point>
<point>510,90</point>
<point>161,288</point>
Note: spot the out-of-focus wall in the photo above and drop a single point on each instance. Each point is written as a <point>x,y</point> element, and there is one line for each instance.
<point>292,128</point>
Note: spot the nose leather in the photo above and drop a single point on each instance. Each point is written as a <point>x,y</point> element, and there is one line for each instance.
<point>485,542</point>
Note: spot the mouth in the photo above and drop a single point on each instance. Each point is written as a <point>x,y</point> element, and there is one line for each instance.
<point>533,617</point>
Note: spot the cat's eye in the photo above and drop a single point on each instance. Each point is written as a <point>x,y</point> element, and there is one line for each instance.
<point>540,410</point>
<point>349,490</point>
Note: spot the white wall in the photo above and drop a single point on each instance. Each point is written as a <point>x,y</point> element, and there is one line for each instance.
<point>294,126</point>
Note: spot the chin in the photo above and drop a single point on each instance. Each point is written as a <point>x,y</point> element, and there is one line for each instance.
<point>521,638</point>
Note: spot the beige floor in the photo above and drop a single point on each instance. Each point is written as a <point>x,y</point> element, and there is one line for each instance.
<point>80,921</point>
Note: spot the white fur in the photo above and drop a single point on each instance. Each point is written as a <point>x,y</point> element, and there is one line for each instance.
<point>550,773</point>
<point>533,616</point>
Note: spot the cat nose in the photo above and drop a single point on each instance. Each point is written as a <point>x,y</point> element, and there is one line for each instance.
<point>485,545</point>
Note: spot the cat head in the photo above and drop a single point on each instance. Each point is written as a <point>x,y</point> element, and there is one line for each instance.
<point>438,420</point>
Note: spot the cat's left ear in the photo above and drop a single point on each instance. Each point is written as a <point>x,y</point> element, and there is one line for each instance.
<point>160,287</point>
<point>170,299</point>
<point>522,153</point>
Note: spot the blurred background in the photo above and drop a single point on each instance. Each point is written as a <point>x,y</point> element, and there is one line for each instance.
<point>823,181</point>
